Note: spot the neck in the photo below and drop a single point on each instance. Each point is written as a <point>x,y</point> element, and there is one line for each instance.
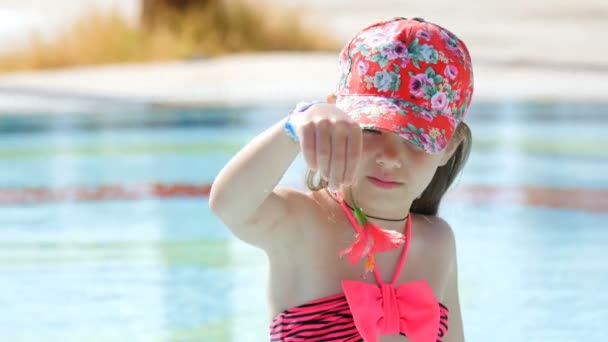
<point>384,212</point>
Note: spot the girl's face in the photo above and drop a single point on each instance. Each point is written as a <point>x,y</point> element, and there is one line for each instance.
<point>393,171</point>
<point>393,168</point>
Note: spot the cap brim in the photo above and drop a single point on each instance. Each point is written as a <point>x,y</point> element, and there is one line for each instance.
<point>419,126</point>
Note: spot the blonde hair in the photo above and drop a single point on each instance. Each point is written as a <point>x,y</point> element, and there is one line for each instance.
<point>428,203</point>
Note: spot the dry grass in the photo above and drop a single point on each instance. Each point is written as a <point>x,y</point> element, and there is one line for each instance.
<point>220,28</point>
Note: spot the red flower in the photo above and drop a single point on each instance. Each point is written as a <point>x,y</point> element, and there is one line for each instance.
<point>370,240</point>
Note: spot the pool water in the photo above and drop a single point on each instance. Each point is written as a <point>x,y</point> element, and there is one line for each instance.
<point>154,268</point>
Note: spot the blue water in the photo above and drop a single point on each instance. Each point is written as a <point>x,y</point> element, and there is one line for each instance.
<point>167,270</point>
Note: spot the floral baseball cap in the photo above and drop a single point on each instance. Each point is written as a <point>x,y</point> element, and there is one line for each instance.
<point>407,76</point>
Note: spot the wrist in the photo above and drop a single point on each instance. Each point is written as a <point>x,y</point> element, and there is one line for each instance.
<point>290,127</point>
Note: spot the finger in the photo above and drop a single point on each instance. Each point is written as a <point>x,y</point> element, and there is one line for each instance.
<point>309,149</point>
<point>323,146</point>
<point>353,154</point>
<point>338,154</point>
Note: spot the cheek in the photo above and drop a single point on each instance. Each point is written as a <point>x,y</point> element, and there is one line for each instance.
<point>423,168</point>
<point>421,160</point>
<point>418,160</point>
<point>365,164</point>
<point>369,143</point>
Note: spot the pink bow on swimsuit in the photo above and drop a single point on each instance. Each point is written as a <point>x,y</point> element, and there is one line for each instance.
<point>411,308</point>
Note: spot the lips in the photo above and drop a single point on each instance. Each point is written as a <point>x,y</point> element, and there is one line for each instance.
<point>384,183</point>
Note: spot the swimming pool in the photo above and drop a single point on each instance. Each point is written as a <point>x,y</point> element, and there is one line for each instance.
<point>106,234</point>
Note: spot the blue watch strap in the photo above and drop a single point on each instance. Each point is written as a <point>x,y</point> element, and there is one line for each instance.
<point>300,107</point>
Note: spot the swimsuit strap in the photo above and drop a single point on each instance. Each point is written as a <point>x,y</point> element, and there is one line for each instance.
<point>358,228</point>
<point>349,213</point>
<point>403,256</point>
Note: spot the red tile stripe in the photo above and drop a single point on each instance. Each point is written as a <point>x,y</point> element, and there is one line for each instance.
<point>582,199</point>
<point>102,193</point>
<point>577,199</point>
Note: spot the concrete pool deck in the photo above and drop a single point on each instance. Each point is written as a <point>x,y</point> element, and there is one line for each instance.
<point>521,51</point>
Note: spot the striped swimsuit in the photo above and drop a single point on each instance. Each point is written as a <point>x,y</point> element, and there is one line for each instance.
<point>331,318</point>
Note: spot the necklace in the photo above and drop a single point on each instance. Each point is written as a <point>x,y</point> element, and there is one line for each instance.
<point>370,216</point>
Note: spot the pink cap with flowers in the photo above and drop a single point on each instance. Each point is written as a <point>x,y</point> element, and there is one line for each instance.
<point>407,76</point>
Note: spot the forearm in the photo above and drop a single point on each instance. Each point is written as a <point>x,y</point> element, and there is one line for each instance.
<point>251,175</point>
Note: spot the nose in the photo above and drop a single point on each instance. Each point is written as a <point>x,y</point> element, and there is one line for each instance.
<point>389,158</point>
<point>388,163</point>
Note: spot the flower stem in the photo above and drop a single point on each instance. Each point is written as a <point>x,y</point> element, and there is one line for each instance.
<point>358,211</point>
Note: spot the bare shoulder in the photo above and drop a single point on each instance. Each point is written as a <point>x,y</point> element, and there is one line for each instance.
<point>309,210</point>
<point>438,237</point>
<point>301,205</point>
<point>300,209</point>
<point>440,229</point>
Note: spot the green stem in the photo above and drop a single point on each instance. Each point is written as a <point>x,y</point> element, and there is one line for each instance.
<point>358,211</point>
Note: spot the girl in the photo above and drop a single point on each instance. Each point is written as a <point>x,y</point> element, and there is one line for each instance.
<point>382,151</point>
